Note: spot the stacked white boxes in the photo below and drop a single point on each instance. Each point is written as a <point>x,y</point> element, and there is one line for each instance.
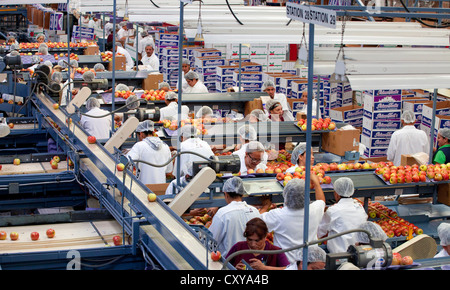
<point>224,77</point>
<point>275,56</point>
<point>351,114</point>
<point>249,82</point>
<point>167,51</point>
<point>233,51</point>
<point>442,117</point>
<point>205,62</point>
<point>285,86</point>
<point>382,113</point>
<point>415,104</point>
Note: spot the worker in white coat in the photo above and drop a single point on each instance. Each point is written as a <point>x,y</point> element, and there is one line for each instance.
<point>123,51</point>
<point>196,86</point>
<point>346,214</point>
<point>149,59</point>
<point>253,158</point>
<point>407,140</point>
<point>123,32</point>
<point>144,39</point>
<point>191,142</point>
<point>247,134</point>
<point>185,68</point>
<point>170,111</point>
<point>99,127</point>
<point>287,222</point>
<point>153,150</point>
<point>269,88</point>
<point>304,109</point>
<point>444,236</point>
<point>228,224</point>
<point>298,157</point>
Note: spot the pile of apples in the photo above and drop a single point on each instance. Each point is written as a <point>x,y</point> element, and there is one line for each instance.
<point>82,70</point>
<point>300,173</point>
<point>413,173</point>
<point>398,260</point>
<point>204,220</point>
<point>123,94</point>
<point>317,124</point>
<point>35,45</point>
<point>173,125</point>
<point>389,221</point>
<point>108,55</point>
<point>55,161</point>
<point>154,95</point>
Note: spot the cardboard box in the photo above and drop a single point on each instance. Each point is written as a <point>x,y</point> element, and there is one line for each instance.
<point>443,195</point>
<point>121,63</point>
<point>340,141</point>
<point>158,188</point>
<point>346,113</point>
<point>253,105</point>
<point>382,103</point>
<point>152,81</point>
<point>91,50</point>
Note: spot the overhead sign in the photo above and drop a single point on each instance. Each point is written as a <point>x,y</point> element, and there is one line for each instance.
<point>311,14</point>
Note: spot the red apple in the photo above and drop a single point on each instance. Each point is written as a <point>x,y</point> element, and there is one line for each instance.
<point>215,256</point>
<point>396,259</point>
<point>250,171</point>
<point>418,231</point>
<point>0,167</point>
<point>34,236</point>
<point>56,106</point>
<point>407,260</point>
<point>54,164</point>
<point>280,176</point>
<point>14,236</point>
<point>50,233</point>
<point>120,166</point>
<point>3,235</point>
<point>438,177</point>
<point>117,240</point>
<point>91,139</point>
<point>11,125</point>
<point>326,179</point>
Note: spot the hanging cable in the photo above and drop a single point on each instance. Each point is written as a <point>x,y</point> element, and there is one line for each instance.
<point>419,20</point>
<point>231,10</point>
<point>154,4</point>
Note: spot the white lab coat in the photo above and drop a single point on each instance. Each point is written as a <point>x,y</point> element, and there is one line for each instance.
<point>130,62</point>
<point>122,33</point>
<point>287,113</point>
<point>150,62</point>
<point>184,83</point>
<point>195,145</point>
<point>287,225</point>
<point>95,24</point>
<point>98,127</point>
<point>313,110</point>
<point>442,253</point>
<point>228,224</point>
<point>143,150</point>
<point>346,214</point>
<point>198,88</point>
<point>407,140</point>
<point>171,110</point>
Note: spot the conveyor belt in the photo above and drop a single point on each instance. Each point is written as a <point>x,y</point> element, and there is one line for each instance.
<point>98,165</point>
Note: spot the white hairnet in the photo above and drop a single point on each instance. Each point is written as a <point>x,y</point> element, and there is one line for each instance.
<point>298,150</point>
<point>294,194</point>
<point>13,47</point>
<point>35,59</point>
<point>259,114</point>
<point>445,132</point>
<point>254,146</point>
<point>145,126</point>
<point>88,76</point>
<point>149,43</point>
<point>315,254</point>
<point>235,185</point>
<point>408,117</point>
<point>191,75</point>
<point>62,63</point>
<point>163,85</point>
<point>122,87</point>
<point>185,61</point>
<point>188,131</point>
<point>99,66</point>
<point>247,132</point>
<point>39,35</point>
<point>73,63</point>
<point>48,63</point>
<point>267,84</point>
<point>43,48</point>
<point>344,186</point>
<point>444,233</point>
<point>171,96</point>
<point>57,77</point>
<point>375,231</point>
<point>123,23</point>
<point>188,168</point>
<point>92,103</point>
<point>272,104</point>
<point>204,111</point>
